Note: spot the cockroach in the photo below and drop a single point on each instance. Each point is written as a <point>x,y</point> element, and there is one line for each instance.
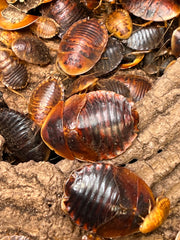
<point>110,59</point>
<point>32,50</point>
<point>44,97</point>
<point>153,10</point>
<point>66,12</point>
<point>112,84</point>
<point>92,126</point>
<point>14,73</point>
<point>45,27</point>
<point>119,24</point>
<point>82,46</point>
<point>175,42</point>
<point>110,201</point>
<point>22,136</point>
<point>146,38</point>
<point>138,85</point>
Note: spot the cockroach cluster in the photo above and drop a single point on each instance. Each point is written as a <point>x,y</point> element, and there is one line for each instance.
<point>93,117</point>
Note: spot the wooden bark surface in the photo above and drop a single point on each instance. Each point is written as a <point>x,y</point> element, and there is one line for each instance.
<point>30,193</point>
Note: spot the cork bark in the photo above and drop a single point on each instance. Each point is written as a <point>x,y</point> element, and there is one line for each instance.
<point>30,193</point>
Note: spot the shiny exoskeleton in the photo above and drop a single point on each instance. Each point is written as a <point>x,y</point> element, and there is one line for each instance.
<point>32,50</point>
<point>138,85</point>
<point>44,97</point>
<point>66,12</point>
<point>146,38</point>
<point>91,127</point>
<point>108,200</point>
<point>22,136</point>
<point>82,46</point>
<point>119,24</point>
<point>154,10</point>
<point>175,42</point>
<point>110,59</point>
<point>114,85</point>
<point>14,73</point>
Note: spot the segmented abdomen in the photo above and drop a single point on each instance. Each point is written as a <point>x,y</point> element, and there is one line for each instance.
<point>22,136</point>
<point>93,195</point>
<point>146,38</point>
<point>82,46</point>
<point>106,124</point>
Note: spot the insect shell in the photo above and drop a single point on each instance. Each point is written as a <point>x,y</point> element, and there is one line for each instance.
<point>91,127</point>
<point>45,27</point>
<point>107,200</point>
<point>22,136</point>
<point>15,237</point>
<point>44,97</point>
<point>110,59</point>
<point>119,24</point>
<point>138,85</point>
<point>156,216</point>
<point>66,12</point>
<point>82,46</point>
<point>14,73</point>
<point>154,10</point>
<point>146,38</point>
<point>32,50</point>
<point>175,42</point>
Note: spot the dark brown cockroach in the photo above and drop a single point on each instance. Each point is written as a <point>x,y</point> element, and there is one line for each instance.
<point>155,64</point>
<point>82,46</point>
<point>66,12</point>
<point>22,136</point>
<point>153,10</point>
<point>11,18</point>
<point>109,201</point>
<point>91,127</point>
<point>175,42</point>
<point>45,27</point>
<point>32,50</point>
<point>14,73</point>
<point>44,97</point>
<point>138,85</point>
<point>110,59</point>
<point>119,24</point>
<point>15,237</point>
<point>146,38</point>
<point>111,84</point>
